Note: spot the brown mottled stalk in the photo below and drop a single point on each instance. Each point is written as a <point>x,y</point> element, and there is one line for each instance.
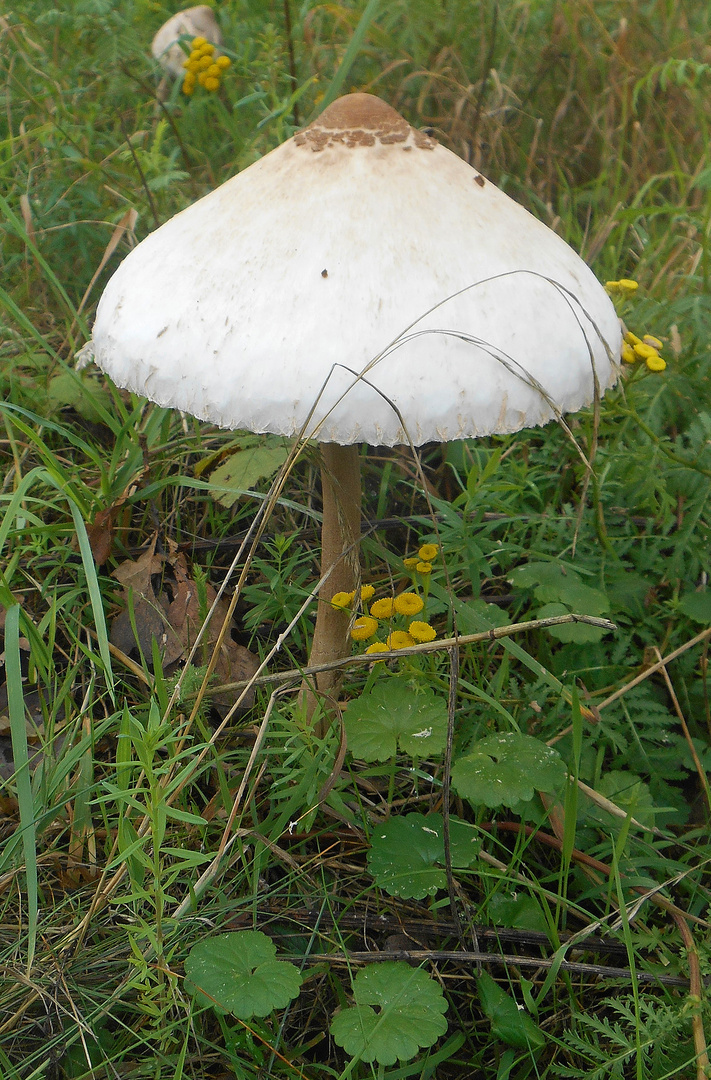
<point>340,479</point>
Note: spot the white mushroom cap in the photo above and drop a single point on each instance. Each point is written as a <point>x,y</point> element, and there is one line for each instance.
<point>360,247</point>
<point>194,22</point>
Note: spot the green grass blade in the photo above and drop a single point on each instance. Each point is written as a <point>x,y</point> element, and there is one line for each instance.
<point>354,47</point>
<point>16,711</point>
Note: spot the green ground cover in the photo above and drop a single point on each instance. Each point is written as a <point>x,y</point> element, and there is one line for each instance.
<point>190,888</point>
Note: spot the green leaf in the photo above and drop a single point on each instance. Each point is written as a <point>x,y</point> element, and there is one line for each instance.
<point>508,1022</point>
<point>237,973</point>
<point>697,606</point>
<point>560,589</point>
<point>577,632</point>
<point>396,712</point>
<point>410,1014</point>
<point>84,394</point>
<point>507,769</point>
<point>406,857</point>
<point>254,459</point>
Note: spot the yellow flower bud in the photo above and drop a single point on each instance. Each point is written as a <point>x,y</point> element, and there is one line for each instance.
<point>223,62</point>
<point>631,338</point>
<point>648,339</point>
<point>422,631</point>
<point>198,42</point>
<point>645,351</point>
<point>188,87</point>
<point>382,609</point>
<point>628,354</point>
<point>211,83</point>
<point>364,628</point>
<point>204,62</point>
<point>214,71</point>
<point>408,603</point>
<point>656,362</point>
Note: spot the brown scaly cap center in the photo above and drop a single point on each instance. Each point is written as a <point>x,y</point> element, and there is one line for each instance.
<point>361,120</point>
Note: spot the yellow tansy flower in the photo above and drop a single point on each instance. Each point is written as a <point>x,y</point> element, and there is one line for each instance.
<point>364,628</point>
<point>342,599</point>
<point>223,62</point>
<point>428,552</point>
<point>377,646</point>
<point>382,609</point>
<point>211,83</point>
<point>422,631</point>
<point>408,603</point>
<point>366,591</point>
<point>424,568</point>
<point>412,562</point>
<point>198,42</point>
<point>655,362</point>
<point>400,639</point>
<point>631,338</point>
<point>628,354</point>
<point>624,285</point>
<point>649,339</point>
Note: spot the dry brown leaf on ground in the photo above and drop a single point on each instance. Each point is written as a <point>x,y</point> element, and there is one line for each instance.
<point>171,611</point>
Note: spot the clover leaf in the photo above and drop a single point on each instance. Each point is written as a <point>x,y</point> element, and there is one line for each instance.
<point>410,1014</point>
<point>396,712</point>
<point>237,973</point>
<point>406,857</point>
<point>507,769</point>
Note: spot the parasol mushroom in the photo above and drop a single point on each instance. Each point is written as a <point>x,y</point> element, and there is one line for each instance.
<point>360,283</point>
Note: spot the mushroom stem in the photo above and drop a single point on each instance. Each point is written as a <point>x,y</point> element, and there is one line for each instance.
<point>340,535</point>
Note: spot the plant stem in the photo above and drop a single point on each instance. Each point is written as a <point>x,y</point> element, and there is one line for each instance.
<point>340,534</point>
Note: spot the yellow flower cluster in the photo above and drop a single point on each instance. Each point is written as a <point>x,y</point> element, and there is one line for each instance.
<point>646,348</point>
<point>405,605</point>
<point>203,67</point>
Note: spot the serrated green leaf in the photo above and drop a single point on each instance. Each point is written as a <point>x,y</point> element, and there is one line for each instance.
<point>507,769</point>
<point>238,973</point>
<point>396,712</point>
<point>697,606</point>
<point>577,632</point>
<point>508,1023</point>
<point>406,856</point>
<point>250,463</point>
<point>410,1014</point>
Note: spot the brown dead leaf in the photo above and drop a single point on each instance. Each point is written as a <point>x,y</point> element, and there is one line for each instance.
<point>173,616</point>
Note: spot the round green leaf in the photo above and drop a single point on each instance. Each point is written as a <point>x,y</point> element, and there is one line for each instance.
<point>507,769</point>
<point>406,857</point>
<point>238,973</point>
<point>396,712</point>
<point>410,1014</point>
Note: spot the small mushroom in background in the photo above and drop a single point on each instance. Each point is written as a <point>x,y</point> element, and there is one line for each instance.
<point>360,283</point>
<point>194,22</point>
